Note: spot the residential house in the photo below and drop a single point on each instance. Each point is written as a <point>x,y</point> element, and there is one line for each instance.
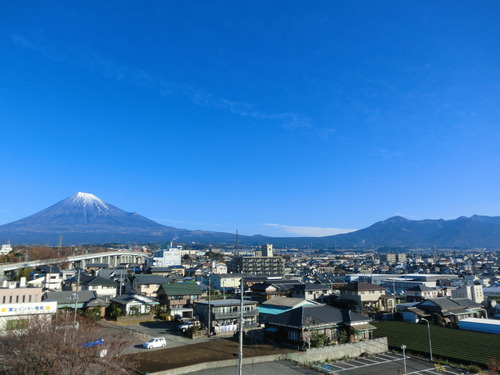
<point>451,310</point>
<point>161,271</point>
<point>278,305</point>
<point>366,296</point>
<point>420,293</point>
<point>148,284</point>
<point>47,277</point>
<point>309,291</point>
<point>300,326</point>
<point>179,297</point>
<point>134,303</point>
<point>221,316</point>
<point>84,300</point>
<point>227,282</point>
<point>104,288</point>
<point>266,290</point>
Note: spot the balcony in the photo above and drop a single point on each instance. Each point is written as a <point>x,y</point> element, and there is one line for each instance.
<point>235,314</point>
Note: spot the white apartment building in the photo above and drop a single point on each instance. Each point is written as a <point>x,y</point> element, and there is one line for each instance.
<point>166,258</point>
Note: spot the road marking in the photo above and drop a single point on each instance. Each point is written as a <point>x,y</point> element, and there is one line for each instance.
<point>433,371</point>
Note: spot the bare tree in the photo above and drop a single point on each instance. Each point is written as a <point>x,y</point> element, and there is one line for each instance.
<point>44,347</point>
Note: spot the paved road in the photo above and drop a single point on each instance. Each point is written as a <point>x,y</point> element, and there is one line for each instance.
<point>268,368</point>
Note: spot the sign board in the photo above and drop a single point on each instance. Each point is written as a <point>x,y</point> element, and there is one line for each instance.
<point>28,308</point>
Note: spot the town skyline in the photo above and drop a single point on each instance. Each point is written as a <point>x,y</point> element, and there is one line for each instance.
<point>276,119</point>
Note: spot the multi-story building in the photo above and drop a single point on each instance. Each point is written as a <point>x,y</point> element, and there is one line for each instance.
<point>263,263</point>
<point>366,296</point>
<point>18,304</point>
<point>178,296</point>
<point>166,258</point>
<point>222,316</point>
<point>472,292</point>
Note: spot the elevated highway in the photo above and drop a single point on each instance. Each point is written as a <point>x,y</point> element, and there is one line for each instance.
<point>112,258</point>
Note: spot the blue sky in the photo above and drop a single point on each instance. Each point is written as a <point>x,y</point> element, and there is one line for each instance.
<point>279,118</point>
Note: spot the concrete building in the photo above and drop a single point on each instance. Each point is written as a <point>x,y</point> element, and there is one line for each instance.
<point>263,263</point>
<point>472,292</point>
<point>166,258</point>
<point>18,304</point>
<point>228,281</point>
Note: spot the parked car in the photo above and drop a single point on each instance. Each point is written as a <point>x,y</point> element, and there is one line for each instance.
<point>155,342</point>
<point>192,323</point>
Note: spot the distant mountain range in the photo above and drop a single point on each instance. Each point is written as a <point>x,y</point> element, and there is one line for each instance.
<point>85,219</point>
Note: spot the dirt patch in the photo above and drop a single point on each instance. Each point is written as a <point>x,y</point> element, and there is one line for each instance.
<point>214,350</point>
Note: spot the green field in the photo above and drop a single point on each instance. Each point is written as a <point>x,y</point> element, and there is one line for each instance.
<point>447,343</point>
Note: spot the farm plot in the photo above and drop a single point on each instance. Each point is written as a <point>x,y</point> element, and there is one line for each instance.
<point>448,343</point>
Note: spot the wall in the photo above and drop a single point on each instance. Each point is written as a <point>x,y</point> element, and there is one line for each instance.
<point>311,355</point>
<point>352,350</point>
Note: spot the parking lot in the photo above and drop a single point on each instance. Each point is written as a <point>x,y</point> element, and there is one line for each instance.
<point>385,364</point>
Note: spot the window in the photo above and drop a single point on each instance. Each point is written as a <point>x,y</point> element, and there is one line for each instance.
<point>293,336</point>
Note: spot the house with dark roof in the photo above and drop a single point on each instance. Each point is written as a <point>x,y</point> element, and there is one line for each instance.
<point>148,284</point>
<point>303,325</point>
<point>221,316</point>
<point>134,303</point>
<point>451,310</point>
<point>179,296</point>
<point>266,290</point>
<point>309,291</point>
<point>104,288</point>
<point>420,292</point>
<point>84,299</point>
<point>278,305</point>
<point>366,296</point>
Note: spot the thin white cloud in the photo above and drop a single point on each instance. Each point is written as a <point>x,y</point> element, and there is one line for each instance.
<point>308,231</point>
<point>104,66</point>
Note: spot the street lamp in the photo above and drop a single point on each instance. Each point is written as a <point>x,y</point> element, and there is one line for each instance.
<point>404,357</point>
<point>429,330</point>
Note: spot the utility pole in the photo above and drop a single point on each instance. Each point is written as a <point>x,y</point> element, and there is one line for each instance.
<point>209,330</point>
<point>240,351</point>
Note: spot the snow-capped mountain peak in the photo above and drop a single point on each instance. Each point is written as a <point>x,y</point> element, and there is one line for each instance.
<point>87,199</point>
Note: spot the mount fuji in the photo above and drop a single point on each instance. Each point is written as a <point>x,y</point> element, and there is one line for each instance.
<point>85,219</point>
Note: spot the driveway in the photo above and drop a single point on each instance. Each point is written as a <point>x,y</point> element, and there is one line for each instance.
<point>140,333</point>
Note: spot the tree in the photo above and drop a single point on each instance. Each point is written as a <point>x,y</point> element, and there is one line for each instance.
<point>49,348</point>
